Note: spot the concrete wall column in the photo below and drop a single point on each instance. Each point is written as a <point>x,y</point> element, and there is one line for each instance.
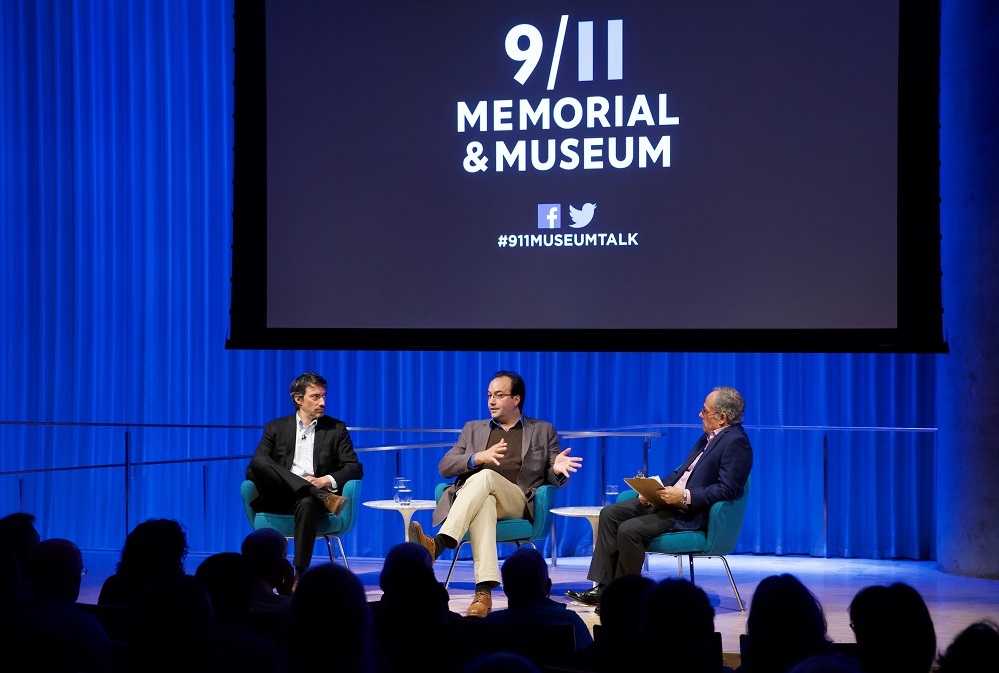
<point>967,481</point>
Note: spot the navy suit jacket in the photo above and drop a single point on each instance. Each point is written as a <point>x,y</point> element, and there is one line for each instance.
<point>721,474</point>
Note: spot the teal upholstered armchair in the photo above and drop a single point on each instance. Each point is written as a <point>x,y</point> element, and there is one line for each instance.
<point>724,524</point>
<point>516,531</point>
<point>329,526</point>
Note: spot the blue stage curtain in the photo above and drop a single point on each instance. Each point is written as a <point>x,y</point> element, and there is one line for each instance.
<point>115,199</point>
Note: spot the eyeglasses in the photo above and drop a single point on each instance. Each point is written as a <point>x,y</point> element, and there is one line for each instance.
<point>498,396</point>
<point>704,412</point>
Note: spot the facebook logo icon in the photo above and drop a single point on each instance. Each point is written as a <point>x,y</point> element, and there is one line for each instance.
<point>549,216</point>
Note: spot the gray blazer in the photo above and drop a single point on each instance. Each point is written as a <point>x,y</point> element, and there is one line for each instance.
<point>539,450</point>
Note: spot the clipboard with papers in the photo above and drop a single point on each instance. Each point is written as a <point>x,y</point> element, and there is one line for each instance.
<point>646,486</point>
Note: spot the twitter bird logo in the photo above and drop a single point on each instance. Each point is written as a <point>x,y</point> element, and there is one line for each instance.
<point>581,216</point>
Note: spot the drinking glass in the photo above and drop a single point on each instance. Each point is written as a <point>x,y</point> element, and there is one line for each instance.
<point>403,493</point>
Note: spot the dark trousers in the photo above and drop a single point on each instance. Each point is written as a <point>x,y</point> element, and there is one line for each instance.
<point>279,491</point>
<point>623,532</point>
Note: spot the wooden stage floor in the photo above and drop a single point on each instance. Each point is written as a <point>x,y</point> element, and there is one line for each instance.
<point>954,601</point>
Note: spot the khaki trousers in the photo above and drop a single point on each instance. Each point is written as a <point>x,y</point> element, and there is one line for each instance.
<point>483,499</point>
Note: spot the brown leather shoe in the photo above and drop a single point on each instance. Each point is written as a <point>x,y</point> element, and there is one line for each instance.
<point>334,503</point>
<point>481,605</point>
<point>416,535</point>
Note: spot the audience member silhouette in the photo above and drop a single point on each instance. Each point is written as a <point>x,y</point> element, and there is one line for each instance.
<point>173,628</point>
<point>679,611</point>
<point>57,634</point>
<point>18,536</point>
<point>155,549</point>
<point>974,649</point>
<point>501,662</point>
<point>832,662</point>
<point>330,623</point>
<point>785,625</point>
<point>620,626</point>
<point>412,611</point>
<point>893,629</point>
<point>266,551</point>
<point>527,588</point>
<point>229,582</point>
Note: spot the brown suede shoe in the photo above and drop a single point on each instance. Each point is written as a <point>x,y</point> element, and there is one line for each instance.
<point>416,535</point>
<point>481,605</point>
<point>334,503</point>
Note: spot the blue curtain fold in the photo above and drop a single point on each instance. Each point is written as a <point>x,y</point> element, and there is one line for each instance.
<point>120,398</point>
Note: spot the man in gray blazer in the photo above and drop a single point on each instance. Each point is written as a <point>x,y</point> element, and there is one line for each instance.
<point>498,464</point>
<point>301,464</point>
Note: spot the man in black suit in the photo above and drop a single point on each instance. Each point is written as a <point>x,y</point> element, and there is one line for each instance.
<point>716,469</point>
<point>302,462</point>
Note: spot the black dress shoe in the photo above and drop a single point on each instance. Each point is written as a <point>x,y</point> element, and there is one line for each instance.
<point>588,597</point>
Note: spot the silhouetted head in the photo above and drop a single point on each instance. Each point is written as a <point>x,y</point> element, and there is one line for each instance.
<point>620,605</point>
<point>18,536</point>
<point>154,548</point>
<point>266,553</point>
<point>404,563</point>
<point>525,577</point>
<point>893,629</point>
<point>976,644</point>
<point>330,602</point>
<point>785,625</point>
<point>672,597</point>
<point>54,570</point>
<point>229,582</point>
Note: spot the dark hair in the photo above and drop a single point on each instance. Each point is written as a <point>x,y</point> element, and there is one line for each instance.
<point>154,548</point>
<point>977,643</point>
<point>517,386</point>
<point>893,628</point>
<point>330,600</point>
<point>785,624</point>
<point>696,630</point>
<point>301,384</point>
<point>18,536</point>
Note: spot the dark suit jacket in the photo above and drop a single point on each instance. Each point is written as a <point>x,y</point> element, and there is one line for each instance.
<point>333,451</point>
<point>721,474</point>
<point>539,449</point>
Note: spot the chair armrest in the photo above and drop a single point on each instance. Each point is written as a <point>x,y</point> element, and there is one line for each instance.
<point>439,491</point>
<point>352,491</point>
<point>626,495</point>
<point>247,490</point>
<point>544,500</point>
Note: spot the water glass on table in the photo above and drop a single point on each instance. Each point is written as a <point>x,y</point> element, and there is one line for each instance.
<point>403,492</point>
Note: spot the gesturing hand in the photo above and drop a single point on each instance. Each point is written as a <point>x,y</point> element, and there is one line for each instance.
<point>491,455</point>
<point>564,464</point>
